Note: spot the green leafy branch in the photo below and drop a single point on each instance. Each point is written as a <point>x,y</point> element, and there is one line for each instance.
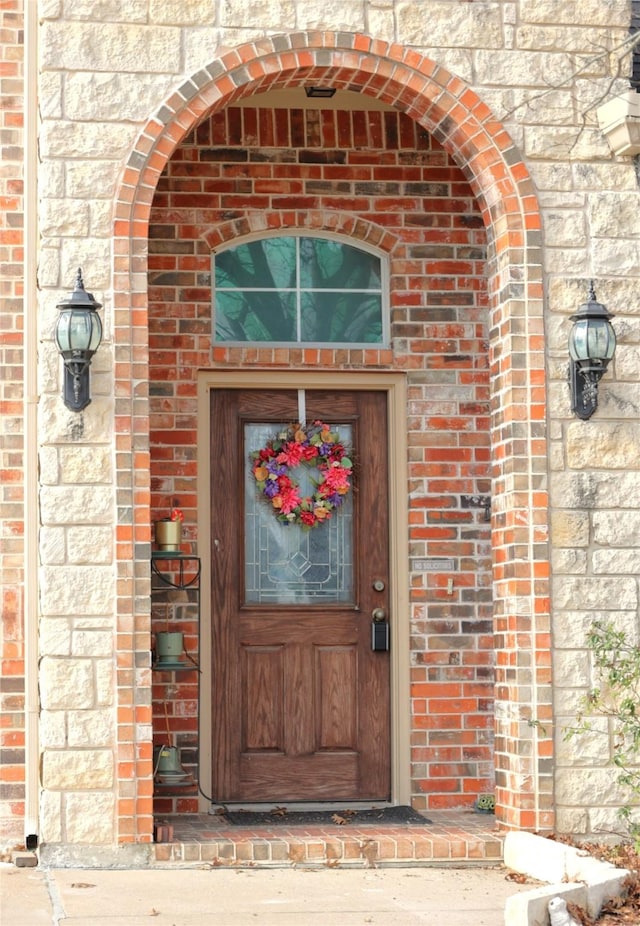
<point>618,697</point>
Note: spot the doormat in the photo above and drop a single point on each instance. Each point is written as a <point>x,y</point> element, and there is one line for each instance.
<point>280,816</point>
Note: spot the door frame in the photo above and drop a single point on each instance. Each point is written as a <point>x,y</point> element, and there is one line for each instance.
<point>394,385</point>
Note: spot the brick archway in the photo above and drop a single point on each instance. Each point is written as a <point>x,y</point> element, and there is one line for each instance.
<point>449,110</point>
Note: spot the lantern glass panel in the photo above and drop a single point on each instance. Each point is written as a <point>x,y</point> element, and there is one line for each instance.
<point>79,331</point>
<point>578,347</point>
<point>592,339</point>
<point>602,340</point>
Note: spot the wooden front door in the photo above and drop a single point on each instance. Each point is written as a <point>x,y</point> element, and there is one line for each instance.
<point>300,698</point>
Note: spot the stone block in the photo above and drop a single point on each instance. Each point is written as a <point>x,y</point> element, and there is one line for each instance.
<point>177,12</point>
<point>569,528</point>
<point>568,562</point>
<point>92,643</point>
<point>593,489</point>
<point>589,787</point>
<point>55,636</point>
<point>63,139</point>
<point>64,217</point>
<point>570,628</point>
<point>564,228</point>
<point>66,683</point>
<point>591,747</point>
<point>571,668</point>
<point>90,727</point>
<point>90,544</point>
<point>52,730</point>
<point>628,362</point>
<point>59,424</point>
<point>77,769</point>
<point>104,683</point>
<point>594,593</point>
<point>614,215</point>
<point>462,25</point>
<point>114,96</point>
<point>52,546</point>
<point>578,142</point>
<point>614,444</point>
<point>49,276</point>
<point>623,253</point>
<point>131,11</point>
<point>609,529</point>
<point>574,11</point>
<point>92,179</point>
<point>77,590</point>
<point>85,465</point>
<point>519,68</point>
<point>50,99</point>
<point>622,562</point>
<point>89,818</point>
<point>95,46</point>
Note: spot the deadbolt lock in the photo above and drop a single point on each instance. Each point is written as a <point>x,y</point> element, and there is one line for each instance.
<point>378,585</point>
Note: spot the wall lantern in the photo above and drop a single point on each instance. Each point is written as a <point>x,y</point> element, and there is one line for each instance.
<point>592,344</point>
<point>78,335</point>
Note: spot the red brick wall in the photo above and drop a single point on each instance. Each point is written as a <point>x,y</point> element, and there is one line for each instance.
<point>11,413</point>
<point>377,177</point>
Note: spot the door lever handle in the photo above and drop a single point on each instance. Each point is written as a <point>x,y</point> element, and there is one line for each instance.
<point>378,615</point>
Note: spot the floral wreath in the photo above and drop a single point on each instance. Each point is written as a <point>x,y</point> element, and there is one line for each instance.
<point>297,445</point>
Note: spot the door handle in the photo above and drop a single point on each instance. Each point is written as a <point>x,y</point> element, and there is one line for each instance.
<point>379,631</point>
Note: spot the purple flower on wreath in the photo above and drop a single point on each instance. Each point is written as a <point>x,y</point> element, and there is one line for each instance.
<point>277,469</point>
<point>271,488</point>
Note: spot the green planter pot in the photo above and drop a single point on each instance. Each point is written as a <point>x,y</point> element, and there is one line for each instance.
<point>169,648</point>
<point>167,766</point>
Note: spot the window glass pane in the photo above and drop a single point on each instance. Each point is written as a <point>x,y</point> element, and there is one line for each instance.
<point>266,264</point>
<point>255,316</point>
<point>298,289</point>
<point>341,317</point>
<point>326,264</point>
<point>285,564</point>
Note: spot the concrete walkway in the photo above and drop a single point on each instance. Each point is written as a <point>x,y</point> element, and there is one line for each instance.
<point>226,897</point>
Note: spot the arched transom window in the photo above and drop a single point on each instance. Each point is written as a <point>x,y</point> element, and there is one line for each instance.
<point>299,289</point>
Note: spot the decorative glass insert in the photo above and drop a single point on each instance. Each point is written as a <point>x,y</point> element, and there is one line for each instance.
<point>294,289</point>
<point>283,563</point>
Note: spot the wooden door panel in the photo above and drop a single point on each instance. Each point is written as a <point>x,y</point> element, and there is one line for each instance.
<point>262,698</point>
<point>336,696</point>
<point>299,778</point>
<point>300,701</point>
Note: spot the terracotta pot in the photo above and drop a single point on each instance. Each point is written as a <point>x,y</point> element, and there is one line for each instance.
<point>168,535</point>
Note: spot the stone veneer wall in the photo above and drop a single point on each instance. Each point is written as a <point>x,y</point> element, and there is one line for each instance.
<point>374,177</point>
<point>96,748</point>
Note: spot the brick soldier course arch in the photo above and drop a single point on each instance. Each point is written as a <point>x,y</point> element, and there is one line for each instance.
<point>448,109</point>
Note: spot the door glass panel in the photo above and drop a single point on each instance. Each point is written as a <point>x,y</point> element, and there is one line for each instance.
<point>285,564</point>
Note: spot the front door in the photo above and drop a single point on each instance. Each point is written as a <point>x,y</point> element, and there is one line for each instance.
<point>300,697</point>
